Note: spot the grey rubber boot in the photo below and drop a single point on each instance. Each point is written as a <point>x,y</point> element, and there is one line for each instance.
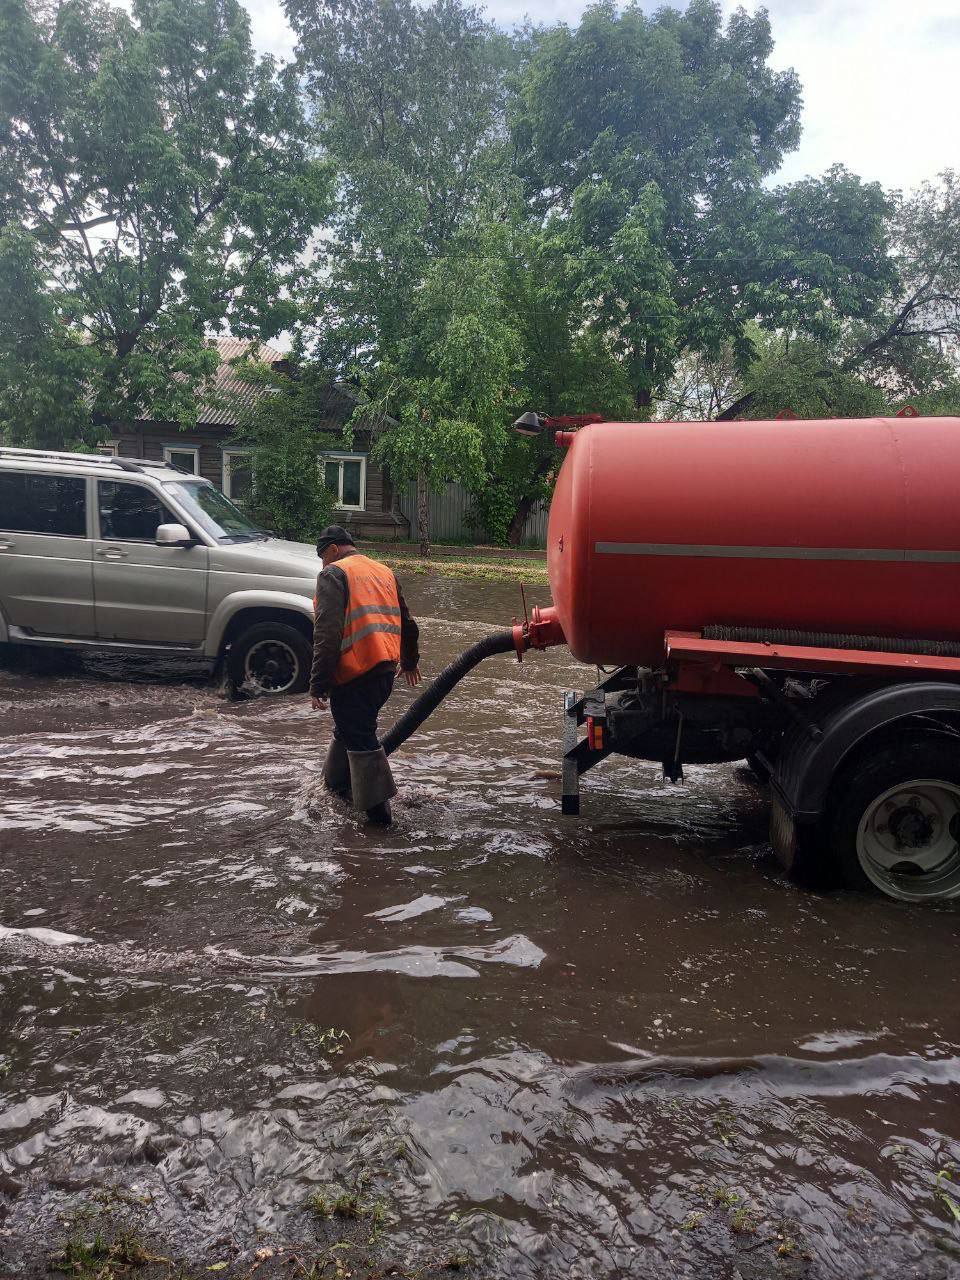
<point>336,770</point>
<point>372,784</point>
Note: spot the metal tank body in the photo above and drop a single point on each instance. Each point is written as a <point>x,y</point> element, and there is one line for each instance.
<point>842,525</point>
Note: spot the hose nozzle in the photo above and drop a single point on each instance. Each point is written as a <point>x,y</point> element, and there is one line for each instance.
<point>542,631</point>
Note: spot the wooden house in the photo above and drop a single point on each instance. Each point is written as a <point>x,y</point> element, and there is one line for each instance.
<point>365,499</point>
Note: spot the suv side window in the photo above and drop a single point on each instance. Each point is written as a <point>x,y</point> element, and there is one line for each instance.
<point>54,505</point>
<point>130,512</point>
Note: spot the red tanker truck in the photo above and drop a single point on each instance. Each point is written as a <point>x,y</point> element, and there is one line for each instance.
<point>785,592</point>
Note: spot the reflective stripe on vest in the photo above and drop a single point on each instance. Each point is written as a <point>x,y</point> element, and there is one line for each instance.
<point>371,626</point>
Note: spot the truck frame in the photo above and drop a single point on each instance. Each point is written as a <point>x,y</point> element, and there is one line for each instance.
<point>860,745</point>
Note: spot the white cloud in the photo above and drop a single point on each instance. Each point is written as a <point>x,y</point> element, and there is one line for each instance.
<point>269,28</point>
<point>879,77</point>
<point>879,84</point>
<point>509,13</point>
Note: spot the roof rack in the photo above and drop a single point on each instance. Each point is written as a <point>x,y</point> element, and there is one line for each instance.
<point>51,455</point>
<point>139,465</point>
<point>165,466</point>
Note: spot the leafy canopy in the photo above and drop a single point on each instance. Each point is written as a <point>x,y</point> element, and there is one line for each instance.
<point>896,336</point>
<point>156,183</point>
<point>285,430</point>
<point>408,102</point>
<point>448,384</point>
<point>647,138</point>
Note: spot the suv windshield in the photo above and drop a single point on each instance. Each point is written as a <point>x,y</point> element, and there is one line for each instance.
<point>213,512</point>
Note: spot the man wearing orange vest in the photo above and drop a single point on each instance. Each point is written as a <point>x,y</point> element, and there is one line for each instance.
<point>362,630</point>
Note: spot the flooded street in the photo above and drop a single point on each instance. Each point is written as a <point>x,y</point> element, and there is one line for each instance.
<point>621,1045</point>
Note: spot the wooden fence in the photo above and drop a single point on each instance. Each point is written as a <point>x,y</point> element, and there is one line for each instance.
<point>450,518</point>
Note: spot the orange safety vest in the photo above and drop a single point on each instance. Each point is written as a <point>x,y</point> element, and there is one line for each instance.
<point>371,625</point>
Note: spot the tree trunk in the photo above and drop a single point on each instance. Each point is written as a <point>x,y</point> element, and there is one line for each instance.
<point>526,503</point>
<point>646,357</point>
<point>518,523</point>
<point>423,514</point>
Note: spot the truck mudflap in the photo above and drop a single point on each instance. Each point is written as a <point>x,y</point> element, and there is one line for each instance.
<point>783,835</point>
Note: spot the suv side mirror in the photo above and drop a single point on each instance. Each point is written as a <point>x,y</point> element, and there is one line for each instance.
<point>174,535</point>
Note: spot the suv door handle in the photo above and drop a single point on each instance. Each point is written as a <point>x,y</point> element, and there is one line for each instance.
<point>112,553</point>
<point>6,544</point>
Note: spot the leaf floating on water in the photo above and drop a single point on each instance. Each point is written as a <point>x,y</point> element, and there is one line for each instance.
<point>943,1195</point>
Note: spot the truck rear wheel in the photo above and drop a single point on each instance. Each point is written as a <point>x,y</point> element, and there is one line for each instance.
<point>271,657</point>
<point>895,826</point>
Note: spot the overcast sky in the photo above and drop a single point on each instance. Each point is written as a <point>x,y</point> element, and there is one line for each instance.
<point>880,77</point>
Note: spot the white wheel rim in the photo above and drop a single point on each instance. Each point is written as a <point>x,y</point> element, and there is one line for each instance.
<point>271,665</point>
<point>908,841</point>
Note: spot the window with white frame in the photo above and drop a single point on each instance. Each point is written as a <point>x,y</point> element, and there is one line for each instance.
<point>183,456</point>
<point>345,475</point>
<point>238,474</point>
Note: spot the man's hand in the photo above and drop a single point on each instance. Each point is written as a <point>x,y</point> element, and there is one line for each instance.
<point>413,678</point>
<point>318,704</point>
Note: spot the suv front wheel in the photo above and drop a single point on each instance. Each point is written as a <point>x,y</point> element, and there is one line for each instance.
<point>271,658</point>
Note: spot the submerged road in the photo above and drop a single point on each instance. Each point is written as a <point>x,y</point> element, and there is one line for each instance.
<point>618,1046</point>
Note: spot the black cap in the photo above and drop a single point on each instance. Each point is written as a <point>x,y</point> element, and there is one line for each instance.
<point>334,533</point>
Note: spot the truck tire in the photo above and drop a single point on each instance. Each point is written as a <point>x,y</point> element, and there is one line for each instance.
<point>271,658</point>
<point>895,824</point>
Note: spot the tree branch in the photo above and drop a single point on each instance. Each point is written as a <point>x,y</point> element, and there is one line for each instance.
<point>89,223</point>
<point>739,405</point>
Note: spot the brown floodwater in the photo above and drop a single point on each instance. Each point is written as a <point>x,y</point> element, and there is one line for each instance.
<point>620,1045</point>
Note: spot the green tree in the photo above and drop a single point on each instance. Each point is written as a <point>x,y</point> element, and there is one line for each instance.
<point>881,338</point>
<point>448,386</point>
<point>408,103</point>
<point>671,98</point>
<point>567,366</point>
<point>912,338</point>
<point>156,182</point>
<point>647,138</point>
<point>286,430</point>
<point>804,377</point>
<point>571,219</point>
<point>624,280</point>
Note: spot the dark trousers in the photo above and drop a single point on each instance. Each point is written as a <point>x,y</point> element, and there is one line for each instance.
<point>356,706</point>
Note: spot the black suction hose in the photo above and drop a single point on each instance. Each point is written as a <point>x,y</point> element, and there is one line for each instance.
<point>434,694</point>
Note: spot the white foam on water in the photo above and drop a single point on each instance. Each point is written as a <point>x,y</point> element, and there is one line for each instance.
<point>50,937</point>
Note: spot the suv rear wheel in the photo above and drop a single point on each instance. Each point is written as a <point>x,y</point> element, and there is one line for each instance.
<point>272,658</point>
<point>896,824</point>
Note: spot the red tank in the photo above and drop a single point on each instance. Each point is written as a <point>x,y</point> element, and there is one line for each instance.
<point>846,526</point>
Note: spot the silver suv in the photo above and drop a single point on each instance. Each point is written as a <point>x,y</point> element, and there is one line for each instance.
<point>124,554</point>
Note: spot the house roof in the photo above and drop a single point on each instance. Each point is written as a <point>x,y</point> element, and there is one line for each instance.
<point>226,394</point>
<point>233,392</point>
<point>227,390</point>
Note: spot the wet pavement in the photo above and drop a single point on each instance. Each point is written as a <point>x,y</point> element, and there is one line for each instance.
<point>615,1046</point>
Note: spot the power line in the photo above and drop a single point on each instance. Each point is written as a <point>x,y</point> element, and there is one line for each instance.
<point>583,257</point>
